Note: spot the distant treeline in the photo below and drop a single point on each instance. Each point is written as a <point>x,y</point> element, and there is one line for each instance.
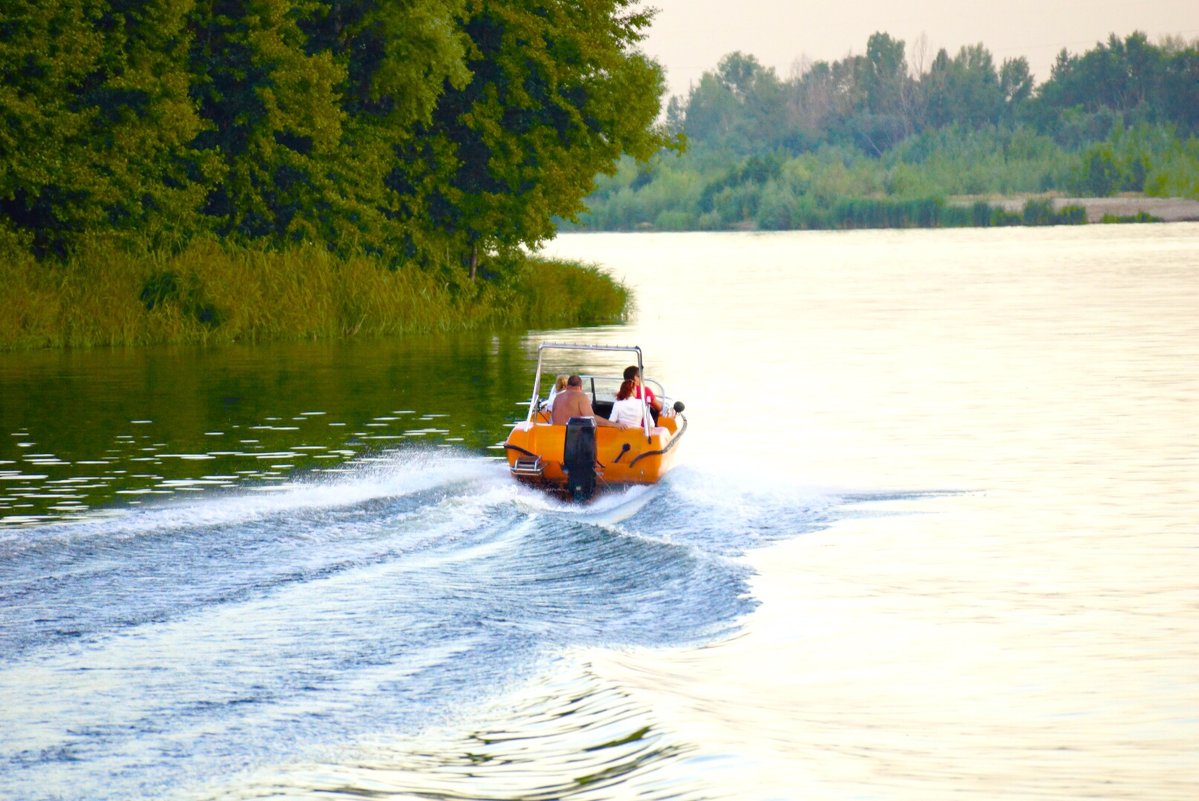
<point>883,139</point>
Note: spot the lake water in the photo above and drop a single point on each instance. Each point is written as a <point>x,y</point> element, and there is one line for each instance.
<point>932,535</point>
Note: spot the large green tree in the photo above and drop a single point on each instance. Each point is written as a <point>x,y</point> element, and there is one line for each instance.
<point>740,106</point>
<point>274,119</point>
<point>883,116</point>
<point>558,91</point>
<point>408,128</point>
<point>397,59</point>
<point>963,90</point>
<point>1125,81</point>
<point>96,122</point>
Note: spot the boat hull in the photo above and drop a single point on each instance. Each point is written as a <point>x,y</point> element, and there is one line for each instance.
<point>535,451</point>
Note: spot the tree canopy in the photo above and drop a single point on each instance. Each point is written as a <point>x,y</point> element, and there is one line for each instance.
<point>420,130</point>
<point>886,138</point>
<point>554,100</point>
<point>874,102</point>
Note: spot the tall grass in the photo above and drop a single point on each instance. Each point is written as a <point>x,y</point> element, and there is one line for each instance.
<point>567,294</point>
<point>782,213</point>
<point>213,294</point>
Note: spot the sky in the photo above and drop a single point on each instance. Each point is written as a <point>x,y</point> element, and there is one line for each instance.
<point>689,37</point>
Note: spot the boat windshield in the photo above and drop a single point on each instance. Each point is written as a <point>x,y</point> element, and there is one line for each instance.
<point>601,388</point>
<point>604,388</point>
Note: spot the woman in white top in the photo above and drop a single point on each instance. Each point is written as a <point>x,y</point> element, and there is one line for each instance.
<point>628,410</point>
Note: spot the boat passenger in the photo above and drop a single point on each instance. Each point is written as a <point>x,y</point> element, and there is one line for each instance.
<point>628,410</point>
<point>559,386</point>
<point>575,403</point>
<point>631,373</point>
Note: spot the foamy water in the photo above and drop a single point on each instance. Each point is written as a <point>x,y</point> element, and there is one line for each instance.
<point>931,536</point>
<point>149,651</point>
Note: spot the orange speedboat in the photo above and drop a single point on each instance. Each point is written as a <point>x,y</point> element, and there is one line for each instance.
<point>580,458</point>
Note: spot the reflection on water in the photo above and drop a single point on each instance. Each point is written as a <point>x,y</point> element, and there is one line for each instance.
<point>571,737</point>
<point>86,429</point>
<point>931,536</point>
<point>1033,634</point>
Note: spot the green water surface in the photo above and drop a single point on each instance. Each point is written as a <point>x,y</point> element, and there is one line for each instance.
<point>82,430</point>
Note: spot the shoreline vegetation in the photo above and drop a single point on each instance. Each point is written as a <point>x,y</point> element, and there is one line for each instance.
<point>893,139</point>
<point>988,211</point>
<point>183,173</point>
<point>1122,208</point>
<point>210,173</point>
<point>214,294</point>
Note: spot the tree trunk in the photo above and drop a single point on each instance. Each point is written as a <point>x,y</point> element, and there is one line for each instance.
<point>474,261</point>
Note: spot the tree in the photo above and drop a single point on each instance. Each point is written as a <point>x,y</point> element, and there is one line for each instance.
<point>884,119</point>
<point>1015,86</point>
<point>1124,76</point>
<point>676,116</point>
<point>972,87</point>
<point>741,106</point>
<point>1097,174</point>
<point>964,90</point>
<point>95,121</point>
<point>274,117</point>
<point>819,100</point>
<point>712,110</point>
<point>886,74</point>
<point>397,60</point>
<point>1179,96</point>
<point>557,93</point>
<point>934,88</point>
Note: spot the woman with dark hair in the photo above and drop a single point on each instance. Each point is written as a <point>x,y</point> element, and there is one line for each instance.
<point>631,373</point>
<point>628,410</point>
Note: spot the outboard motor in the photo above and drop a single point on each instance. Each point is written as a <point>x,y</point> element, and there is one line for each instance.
<point>578,458</point>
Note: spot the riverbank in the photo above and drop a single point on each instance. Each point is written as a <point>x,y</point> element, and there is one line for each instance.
<point>880,211</point>
<point>214,294</point>
<point>1099,209</point>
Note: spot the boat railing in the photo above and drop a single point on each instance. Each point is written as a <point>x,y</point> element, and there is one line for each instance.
<point>589,380</point>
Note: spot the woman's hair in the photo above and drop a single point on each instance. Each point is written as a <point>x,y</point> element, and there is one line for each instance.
<point>560,384</point>
<point>626,389</point>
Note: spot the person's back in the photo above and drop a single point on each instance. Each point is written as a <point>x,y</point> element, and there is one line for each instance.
<point>571,403</point>
<point>574,403</point>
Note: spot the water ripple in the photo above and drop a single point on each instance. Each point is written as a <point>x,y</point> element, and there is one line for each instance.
<point>162,646</point>
<point>574,736</point>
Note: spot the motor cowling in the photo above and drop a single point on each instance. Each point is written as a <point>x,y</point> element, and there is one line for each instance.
<point>578,458</point>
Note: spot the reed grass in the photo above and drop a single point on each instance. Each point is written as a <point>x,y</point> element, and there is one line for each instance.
<point>211,293</point>
<point>1139,217</point>
<point>930,212</point>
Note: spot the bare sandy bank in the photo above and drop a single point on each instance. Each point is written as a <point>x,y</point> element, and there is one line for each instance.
<point>1167,209</point>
